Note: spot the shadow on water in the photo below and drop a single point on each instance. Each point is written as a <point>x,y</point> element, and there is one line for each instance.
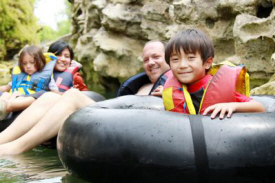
<point>40,165</point>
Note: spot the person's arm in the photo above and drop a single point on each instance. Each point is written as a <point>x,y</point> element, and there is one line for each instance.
<point>158,91</point>
<point>78,82</point>
<point>5,88</point>
<point>229,108</point>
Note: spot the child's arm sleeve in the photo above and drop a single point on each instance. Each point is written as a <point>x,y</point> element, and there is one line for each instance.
<point>52,85</point>
<point>78,82</point>
<point>242,98</point>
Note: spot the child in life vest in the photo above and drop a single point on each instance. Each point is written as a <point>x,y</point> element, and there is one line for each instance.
<point>30,76</point>
<point>66,69</point>
<point>192,90</point>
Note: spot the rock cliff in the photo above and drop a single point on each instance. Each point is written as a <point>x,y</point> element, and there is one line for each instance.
<point>108,35</point>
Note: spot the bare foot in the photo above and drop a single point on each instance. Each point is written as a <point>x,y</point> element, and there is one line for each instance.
<point>10,149</point>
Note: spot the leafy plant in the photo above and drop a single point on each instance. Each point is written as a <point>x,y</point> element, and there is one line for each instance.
<point>18,25</point>
<point>63,26</point>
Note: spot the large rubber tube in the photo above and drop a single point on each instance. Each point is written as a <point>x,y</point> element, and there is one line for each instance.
<point>130,140</point>
<point>12,116</point>
<point>8,120</point>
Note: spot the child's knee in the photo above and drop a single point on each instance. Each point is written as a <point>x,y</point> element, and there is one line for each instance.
<point>76,98</point>
<point>48,97</point>
<point>73,93</point>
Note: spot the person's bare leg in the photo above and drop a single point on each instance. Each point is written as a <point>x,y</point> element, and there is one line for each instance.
<point>50,124</point>
<point>29,117</point>
<point>5,96</point>
<point>19,103</point>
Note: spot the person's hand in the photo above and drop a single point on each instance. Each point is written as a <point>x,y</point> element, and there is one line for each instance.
<point>76,86</point>
<point>222,108</point>
<point>158,91</point>
<point>16,94</point>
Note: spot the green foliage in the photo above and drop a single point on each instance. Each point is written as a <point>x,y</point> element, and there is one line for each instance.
<point>68,9</point>
<point>48,34</point>
<point>18,25</point>
<point>63,27</point>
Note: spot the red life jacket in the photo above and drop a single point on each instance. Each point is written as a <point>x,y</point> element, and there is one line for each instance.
<point>64,80</point>
<point>221,89</point>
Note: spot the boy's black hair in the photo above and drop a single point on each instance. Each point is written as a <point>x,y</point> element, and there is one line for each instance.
<point>191,41</point>
<point>58,46</point>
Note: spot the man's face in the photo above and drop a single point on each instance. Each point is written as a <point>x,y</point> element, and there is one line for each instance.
<point>154,60</point>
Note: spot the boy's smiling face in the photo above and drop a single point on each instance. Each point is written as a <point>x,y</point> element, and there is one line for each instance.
<point>188,68</point>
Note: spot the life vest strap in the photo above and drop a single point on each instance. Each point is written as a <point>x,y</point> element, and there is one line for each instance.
<point>188,100</point>
<point>63,87</point>
<point>25,85</point>
<point>168,98</point>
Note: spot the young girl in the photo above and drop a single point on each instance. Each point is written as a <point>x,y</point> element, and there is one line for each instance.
<point>31,76</point>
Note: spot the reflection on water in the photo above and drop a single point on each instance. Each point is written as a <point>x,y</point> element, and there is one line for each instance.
<point>40,165</point>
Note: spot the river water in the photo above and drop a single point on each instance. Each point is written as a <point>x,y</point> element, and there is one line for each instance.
<point>40,165</point>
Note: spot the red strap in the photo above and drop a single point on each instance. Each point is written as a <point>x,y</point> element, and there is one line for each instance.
<point>63,87</point>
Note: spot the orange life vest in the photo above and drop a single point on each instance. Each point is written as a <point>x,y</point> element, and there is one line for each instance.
<point>220,89</point>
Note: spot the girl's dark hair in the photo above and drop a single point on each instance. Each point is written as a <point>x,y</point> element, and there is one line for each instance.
<point>37,55</point>
<point>58,46</point>
<point>190,41</point>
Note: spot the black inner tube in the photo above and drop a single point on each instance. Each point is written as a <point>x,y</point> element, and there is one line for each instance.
<point>132,139</point>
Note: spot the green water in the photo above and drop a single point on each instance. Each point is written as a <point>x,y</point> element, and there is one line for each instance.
<point>40,165</point>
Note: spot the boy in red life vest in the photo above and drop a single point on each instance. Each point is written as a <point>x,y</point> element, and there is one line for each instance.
<point>191,90</point>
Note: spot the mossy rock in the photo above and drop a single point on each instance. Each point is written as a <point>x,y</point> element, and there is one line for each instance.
<point>5,72</point>
<point>266,89</point>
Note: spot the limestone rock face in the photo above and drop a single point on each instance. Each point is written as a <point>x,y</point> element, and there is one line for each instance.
<point>266,89</point>
<point>269,87</point>
<point>108,36</point>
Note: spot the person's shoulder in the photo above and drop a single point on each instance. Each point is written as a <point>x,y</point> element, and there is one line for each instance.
<point>133,84</point>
